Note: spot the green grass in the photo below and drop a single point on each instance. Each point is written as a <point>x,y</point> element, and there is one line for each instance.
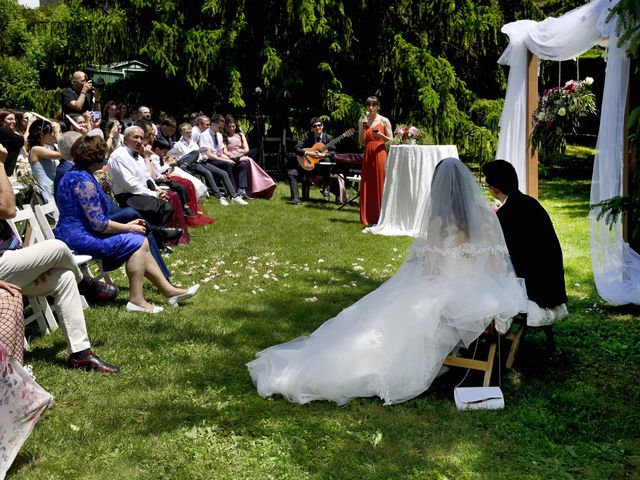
<point>184,406</point>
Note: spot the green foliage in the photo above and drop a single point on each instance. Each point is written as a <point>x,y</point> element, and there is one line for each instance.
<point>306,54</point>
<point>613,209</point>
<point>628,25</point>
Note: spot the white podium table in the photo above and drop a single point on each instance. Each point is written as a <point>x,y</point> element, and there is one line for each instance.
<point>407,185</point>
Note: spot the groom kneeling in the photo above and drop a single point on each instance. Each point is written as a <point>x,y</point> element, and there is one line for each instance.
<point>532,243</point>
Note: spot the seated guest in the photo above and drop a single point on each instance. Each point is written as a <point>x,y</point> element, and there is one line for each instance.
<point>167,129</point>
<point>157,172</point>
<point>316,134</point>
<point>47,269</point>
<point>211,141</point>
<point>532,242</point>
<point>110,113</point>
<point>202,124</point>
<point>66,140</point>
<point>113,136</point>
<point>12,137</point>
<point>43,157</point>
<point>200,167</point>
<point>163,174</point>
<point>117,214</point>
<point>84,225</point>
<point>125,120</point>
<point>12,320</point>
<point>23,402</point>
<point>79,124</point>
<point>173,158</point>
<point>260,184</point>
<point>177,200</point>
<point>129,176</point>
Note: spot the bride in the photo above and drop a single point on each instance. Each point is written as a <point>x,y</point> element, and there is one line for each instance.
<point>392,342</point>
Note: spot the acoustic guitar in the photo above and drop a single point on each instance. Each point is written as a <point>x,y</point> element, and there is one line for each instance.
<point>308,162</point>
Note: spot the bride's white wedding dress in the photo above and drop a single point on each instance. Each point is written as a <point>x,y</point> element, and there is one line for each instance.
<point>392,342</point>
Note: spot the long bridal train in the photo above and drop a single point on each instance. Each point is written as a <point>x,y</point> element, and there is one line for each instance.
<point>392,342</point>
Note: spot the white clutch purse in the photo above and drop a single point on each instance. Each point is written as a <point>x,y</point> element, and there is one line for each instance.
<point>478,398</point>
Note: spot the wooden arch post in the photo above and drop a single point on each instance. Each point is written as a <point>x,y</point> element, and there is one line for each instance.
<point>532,104</point>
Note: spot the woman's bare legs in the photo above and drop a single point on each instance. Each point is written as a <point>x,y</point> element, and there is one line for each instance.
<point>142,264</point>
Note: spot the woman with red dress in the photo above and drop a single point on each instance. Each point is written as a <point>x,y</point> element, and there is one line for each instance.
<point>374,131</point>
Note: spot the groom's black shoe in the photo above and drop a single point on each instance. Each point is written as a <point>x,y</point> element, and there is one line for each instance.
<point>168,234</point>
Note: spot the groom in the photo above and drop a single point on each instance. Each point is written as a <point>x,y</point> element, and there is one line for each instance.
<point>532,243</point>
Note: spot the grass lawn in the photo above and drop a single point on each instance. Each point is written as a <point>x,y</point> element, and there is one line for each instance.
<point>184,406</point>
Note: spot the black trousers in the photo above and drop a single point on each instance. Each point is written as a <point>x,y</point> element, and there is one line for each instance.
<point>155,211</point>
<point>180,189</point>
<point>298,173</point>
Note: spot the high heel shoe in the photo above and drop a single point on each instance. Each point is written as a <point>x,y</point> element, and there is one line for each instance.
<point>183,296</point>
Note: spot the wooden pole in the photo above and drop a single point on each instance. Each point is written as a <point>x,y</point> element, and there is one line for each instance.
<point>532,104</point>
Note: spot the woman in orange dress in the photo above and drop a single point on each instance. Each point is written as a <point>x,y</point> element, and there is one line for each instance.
<point>374,131</point>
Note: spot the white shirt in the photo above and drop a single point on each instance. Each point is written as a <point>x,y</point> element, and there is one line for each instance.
<point>128,174</point>
<point>157,166</point>
<point>195,134</point>
<point>207,140</point>
<point>183,147</point>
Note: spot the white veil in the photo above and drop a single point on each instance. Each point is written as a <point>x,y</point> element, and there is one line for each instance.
<point>458,221</point>
<point>460,235</point>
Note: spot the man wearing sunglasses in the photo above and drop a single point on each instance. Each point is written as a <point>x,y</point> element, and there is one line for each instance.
<point>305,149</point>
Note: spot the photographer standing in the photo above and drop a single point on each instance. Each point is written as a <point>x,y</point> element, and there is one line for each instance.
<point>79,97</point>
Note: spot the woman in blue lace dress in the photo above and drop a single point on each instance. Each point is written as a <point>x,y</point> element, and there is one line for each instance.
<point>85,227</point>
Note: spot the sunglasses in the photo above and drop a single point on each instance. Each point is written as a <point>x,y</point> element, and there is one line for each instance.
<point>316,125</point>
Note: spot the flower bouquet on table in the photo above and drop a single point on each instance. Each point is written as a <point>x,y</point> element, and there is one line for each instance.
<point>407,134</point>
<point>559,112</point>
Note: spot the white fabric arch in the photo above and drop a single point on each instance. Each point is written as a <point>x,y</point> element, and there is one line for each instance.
<point>616,266</point>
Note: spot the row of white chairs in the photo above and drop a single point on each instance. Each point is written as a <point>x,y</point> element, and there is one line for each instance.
<point>32,225</point>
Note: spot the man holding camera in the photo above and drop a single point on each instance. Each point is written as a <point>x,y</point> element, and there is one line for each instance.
<point>79,97</point>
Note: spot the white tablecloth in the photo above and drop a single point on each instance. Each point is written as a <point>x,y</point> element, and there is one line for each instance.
<point>407,184</point>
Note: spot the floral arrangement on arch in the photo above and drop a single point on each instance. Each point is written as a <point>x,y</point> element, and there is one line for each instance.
<point>407,134</point>
<point>559,112</point>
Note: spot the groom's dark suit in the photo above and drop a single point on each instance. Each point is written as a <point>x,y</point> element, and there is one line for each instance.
<point>534,249</point>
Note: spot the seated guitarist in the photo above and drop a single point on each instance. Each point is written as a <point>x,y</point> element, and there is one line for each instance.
<point>314,136</point>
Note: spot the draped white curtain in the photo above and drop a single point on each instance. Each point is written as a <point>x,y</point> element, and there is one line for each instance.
<point>616,266</point>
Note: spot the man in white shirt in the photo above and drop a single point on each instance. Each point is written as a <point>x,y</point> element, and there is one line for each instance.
<point>129,177</point>
<point>202,124</point>
<point>211,139</point>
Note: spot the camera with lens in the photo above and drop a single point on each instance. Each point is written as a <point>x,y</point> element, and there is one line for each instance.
<point>98,82</point>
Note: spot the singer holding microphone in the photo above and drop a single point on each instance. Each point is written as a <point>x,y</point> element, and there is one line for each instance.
<point>374,131</point>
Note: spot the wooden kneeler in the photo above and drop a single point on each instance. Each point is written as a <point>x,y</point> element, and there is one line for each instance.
<point>486,365</point>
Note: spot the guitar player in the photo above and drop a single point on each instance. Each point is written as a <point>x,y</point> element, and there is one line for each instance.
<point>295,172</point>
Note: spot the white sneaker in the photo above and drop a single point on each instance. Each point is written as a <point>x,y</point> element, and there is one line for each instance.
<point>239,200</point>
<point>223,201</point>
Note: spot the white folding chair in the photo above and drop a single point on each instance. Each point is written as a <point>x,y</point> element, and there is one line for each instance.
<point>83,261</point>
<point>24,222</point>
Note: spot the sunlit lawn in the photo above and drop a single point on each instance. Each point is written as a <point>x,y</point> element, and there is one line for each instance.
<point>184,406</point>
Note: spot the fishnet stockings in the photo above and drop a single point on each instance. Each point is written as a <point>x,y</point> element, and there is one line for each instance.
<point>12,324</point>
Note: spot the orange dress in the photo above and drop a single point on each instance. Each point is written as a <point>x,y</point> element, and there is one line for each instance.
<point>372,183</point>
